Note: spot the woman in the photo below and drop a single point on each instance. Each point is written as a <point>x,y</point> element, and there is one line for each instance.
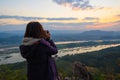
<point>37,49</point>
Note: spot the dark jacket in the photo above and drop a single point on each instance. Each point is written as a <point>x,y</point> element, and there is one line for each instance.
<point>37,56</point>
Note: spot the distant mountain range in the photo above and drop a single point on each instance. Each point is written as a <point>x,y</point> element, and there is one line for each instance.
<point>99,32</point>
<point>66,32</point>
<point>88,35</point>
<point>11,37</point>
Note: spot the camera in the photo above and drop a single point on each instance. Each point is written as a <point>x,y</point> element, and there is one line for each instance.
<point>47,31</point>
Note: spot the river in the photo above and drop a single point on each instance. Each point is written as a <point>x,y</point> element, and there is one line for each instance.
<point>14,57</point>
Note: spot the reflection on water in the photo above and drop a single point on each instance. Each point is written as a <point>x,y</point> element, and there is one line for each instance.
<point>68,42</point>
<point>83,41</point>
<point>65,42</point>
<point>11,58</point>
<point>4,49</point>
<point>78,50</point>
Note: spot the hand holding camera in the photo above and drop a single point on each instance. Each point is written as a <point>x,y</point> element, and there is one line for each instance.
<point>47,34</point>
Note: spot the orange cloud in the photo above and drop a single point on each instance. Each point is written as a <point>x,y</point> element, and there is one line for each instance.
<point>103,25</point>
<point>109,19</point>
<point>11,21</point>
<point>75,9</point>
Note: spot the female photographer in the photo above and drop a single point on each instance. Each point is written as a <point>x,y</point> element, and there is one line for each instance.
<point>37,49</point>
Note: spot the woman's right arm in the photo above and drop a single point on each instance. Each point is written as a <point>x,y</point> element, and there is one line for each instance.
<point>50,47</point>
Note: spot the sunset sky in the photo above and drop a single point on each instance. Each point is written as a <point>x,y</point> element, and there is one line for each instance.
<point>61,14</point>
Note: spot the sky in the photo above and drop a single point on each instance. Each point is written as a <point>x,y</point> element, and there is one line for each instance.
<point>80,15</point>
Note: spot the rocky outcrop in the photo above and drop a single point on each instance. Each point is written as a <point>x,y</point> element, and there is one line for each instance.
<point>80,72</point>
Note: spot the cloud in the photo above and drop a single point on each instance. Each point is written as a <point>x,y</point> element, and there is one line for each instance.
<point>75,4</point>
<point>83,26</point>
<point>106,26</point>
<point>88,23</point>
<point>91,19</point>
<point>118,15</point>
<point>67,26</point>
<point>49,26</point>
<point>20,17</point>
<point>33,18</point>
<point>61,18</point>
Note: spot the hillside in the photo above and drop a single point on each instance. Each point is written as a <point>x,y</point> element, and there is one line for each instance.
<point>102,62</point>
<point>106,58</point>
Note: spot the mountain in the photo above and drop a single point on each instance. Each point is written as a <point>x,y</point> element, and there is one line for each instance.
<point>98,34</point>
<point>15,37</point>
<point>88,35</point>
<point>101,33</point>
<point>75,33</point>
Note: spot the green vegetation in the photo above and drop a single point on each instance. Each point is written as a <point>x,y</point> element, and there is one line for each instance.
<point>103,65</point>
<point>16,71</point>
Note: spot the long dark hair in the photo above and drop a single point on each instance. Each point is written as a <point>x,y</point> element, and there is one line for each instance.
<point>34,30</point>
